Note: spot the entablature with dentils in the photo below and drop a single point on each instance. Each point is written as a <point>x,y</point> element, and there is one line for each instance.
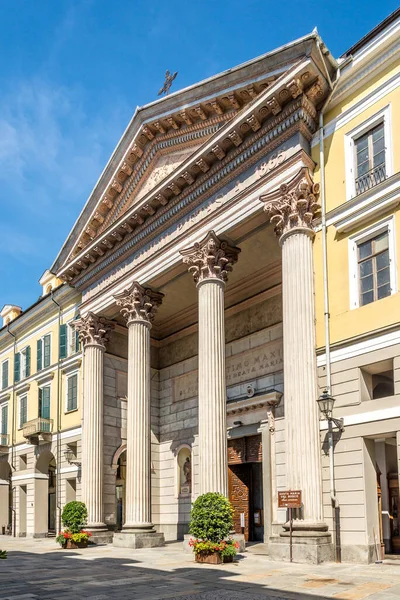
<point>236,116</point>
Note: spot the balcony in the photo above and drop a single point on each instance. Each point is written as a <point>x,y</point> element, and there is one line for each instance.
<point>38,428</point>
<point>4,442</point>
<point>370,179</point>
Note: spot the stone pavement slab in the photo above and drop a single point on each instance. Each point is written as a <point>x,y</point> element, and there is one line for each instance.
<point>40,570</point>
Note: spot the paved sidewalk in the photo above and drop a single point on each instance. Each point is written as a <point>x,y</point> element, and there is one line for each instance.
<point>39,570</point>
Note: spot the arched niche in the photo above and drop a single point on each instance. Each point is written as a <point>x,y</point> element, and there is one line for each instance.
<point>184,471</point>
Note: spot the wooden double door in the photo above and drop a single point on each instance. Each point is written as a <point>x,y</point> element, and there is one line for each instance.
<point>245,486</point>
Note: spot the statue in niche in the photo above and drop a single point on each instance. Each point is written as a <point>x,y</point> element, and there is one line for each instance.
<point>187,471</point>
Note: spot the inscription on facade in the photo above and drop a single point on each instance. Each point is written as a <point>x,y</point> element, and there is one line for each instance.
<point>260,361</point>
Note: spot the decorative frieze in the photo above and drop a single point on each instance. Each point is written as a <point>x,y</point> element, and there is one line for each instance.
<point>211,258</point>
<point>138,303</point>
<point>94,330</point>
<point>294,204</point>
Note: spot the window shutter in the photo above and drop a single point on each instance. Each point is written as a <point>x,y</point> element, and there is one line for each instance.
<point>46,403</point>
<point>46,351</point>
<point>39,355</point>
<point>63,341</point>
<point>72,395</point>
<point>17,367</point>
<point>76,341</point>
<point>27,361</point>
<point>4,418</point>
<point>5,375</point>
<point>22,411</point>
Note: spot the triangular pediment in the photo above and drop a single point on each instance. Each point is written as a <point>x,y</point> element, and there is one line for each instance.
<point>172,144</point>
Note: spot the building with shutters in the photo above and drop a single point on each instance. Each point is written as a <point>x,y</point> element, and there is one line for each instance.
<point>40,410</point>
<point>238,255</point>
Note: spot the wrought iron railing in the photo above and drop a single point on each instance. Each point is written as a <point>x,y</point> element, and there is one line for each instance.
<point>370,178</point>
<point>37,426</point>
<point>4,439</point>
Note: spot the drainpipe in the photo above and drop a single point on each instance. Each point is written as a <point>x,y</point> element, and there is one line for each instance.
<point>13,430</point>
<point>334,498</point>
<point>58,439</point>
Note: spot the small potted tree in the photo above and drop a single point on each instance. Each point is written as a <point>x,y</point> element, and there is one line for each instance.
<point>74,518</point>
<point>210,523</point>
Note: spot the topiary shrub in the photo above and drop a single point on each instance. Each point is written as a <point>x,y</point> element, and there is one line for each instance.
<point>74,516</point>
<point>211,517</point>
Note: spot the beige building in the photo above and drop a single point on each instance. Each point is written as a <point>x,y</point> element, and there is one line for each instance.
<point>225,280</point>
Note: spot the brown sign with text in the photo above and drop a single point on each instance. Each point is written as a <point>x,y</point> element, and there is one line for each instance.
<point>289,499</point>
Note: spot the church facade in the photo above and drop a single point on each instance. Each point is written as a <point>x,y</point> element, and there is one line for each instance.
<point>221,268</point>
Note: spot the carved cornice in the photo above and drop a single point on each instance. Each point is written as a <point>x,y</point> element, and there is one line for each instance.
<point>138,303</point>
<point>211,258</point>
<point>94,330</point>
<point>294,205</point>
<point>226,141</point>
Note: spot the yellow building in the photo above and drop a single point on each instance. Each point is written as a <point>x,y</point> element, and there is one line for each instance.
<point>358,329</point>
<point>40,410</point>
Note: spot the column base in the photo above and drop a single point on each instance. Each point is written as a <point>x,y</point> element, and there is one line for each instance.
<point>309,547</point>
<point>135,540</point>
<point>100,534</point>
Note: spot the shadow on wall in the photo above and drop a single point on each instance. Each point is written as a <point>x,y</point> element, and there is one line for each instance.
<point>67,574</point>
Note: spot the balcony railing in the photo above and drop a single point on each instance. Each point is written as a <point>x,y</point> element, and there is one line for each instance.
<point>36,427</point>
<point>4,441</point>
<point>370,179</point>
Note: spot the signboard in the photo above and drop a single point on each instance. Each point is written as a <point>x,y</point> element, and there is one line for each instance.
<point>289,499</point>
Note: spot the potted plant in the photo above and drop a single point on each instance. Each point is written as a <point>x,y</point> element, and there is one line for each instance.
<point>74,518</point>
<point>210,523</point>
<point>3,554</point>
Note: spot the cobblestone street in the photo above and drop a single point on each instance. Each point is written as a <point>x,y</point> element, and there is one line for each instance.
<point>37,569</point>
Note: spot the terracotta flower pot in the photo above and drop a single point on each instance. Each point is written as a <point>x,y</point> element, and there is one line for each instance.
<point>71,545</point>
<point>212,558</point>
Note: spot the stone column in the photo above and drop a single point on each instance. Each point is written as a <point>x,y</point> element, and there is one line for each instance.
<point>94,332</point>
<point>209,262</point>
<point>138,306</point>
<point>291,210</point>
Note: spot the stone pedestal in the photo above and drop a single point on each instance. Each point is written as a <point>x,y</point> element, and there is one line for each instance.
<point>209,262</point>
<point>138,307</point>
<point>291,210</point>
<point>93,333</point>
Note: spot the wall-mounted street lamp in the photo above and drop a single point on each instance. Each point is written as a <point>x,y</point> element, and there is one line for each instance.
<point>325,403</point>
<point>70,457</point>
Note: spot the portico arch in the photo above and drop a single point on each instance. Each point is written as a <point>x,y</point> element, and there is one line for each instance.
<point>119,467</point>
<point>45,494</point>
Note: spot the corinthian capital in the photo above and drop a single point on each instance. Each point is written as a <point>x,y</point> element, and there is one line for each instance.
<point>211,258</point>
<point>294,205</point>
<point>138,303</point>
<point>93,329</point>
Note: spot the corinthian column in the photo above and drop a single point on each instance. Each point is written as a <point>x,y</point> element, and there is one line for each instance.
<point>291,210</point>
<point>209,262</point>
<point>94,334</point>
<point>138,306</point>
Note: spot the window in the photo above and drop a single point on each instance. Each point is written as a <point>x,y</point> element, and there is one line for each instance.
<point>23,410</point>
<point>69,340</point>
<point>372,264</point>
<point>72,392</point>
<point>368,154</point>
<point>25,362</point>
<point>4,418</point>
<point>43,352</point>
<point>374,268</point>
<point>44,402</point>
<point>4,375</point>
<point>370,158</point>
<point>377,380</point>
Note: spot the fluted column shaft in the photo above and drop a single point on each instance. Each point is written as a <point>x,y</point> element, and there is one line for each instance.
<point>138,457</point>
<point>92,435</point>
<point>300,372</point>
<point>213,456</point>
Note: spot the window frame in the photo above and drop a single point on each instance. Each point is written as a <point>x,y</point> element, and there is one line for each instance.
<point>41,340</point>
<point>3,405</point>
<point>20,398</point>
<point>383,116</point>
<point>40,392</point>
<point>71,339</point>
<point>387,225</point>
<point>6,361</point>
<point>72,374</point>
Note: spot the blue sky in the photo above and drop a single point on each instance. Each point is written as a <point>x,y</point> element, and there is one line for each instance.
<point>72,73</point>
